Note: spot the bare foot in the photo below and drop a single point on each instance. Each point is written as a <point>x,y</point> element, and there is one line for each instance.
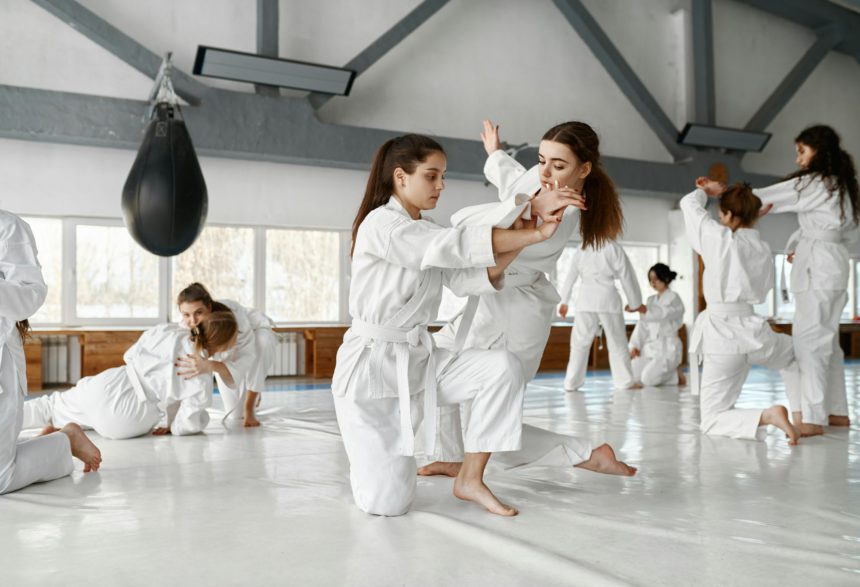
<point>440,468</point>
<point>476,491</point>
<point>682,379</point>
<point>636,386</point>
<point>162,431</point>
<point>839,421</point>
<point>49,429</point>
<point>778,416</point>
<point>805,429</point>
<point>83,448</point>
<point>251,420</point>
<point>603,460</point>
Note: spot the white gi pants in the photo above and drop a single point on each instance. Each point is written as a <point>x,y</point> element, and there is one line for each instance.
<point>585,328</point>
<point>44,458</point>
<point>384,480</point>
<point>265,341</point>
<point>723,377</point>
<point>106,403</point>
<point>658,363</point>
<point>816,345</point>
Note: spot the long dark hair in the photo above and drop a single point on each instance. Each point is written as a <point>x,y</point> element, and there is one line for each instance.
<point>603,220</point>
<point>405,152</point>
<point>833,165</point>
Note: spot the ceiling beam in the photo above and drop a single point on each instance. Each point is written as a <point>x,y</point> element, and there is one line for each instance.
<point>623,75</point>
<point>121,45</point>
<point>381,46</point>
<point>827,39</point>
<point>267,39</point>
<point>702,29</point>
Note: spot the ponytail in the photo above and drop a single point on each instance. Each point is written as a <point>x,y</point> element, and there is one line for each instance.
<point>23,328</point>
<point>405,152</point>
<point>603,221</point>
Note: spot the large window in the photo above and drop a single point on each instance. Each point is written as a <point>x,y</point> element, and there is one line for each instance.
<point>115,278</point>
<point>303,272</point>
<point>48,233</point>
<point>222,259</point>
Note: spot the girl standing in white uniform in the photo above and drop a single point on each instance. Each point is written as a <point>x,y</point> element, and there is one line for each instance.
<point>655,348</point>
<point>148,393</point>
<point>22,292</point>
<point>249,361</point>
<point>824,194</point>
<point>388,372</point>
<point>518,318</point>
<point>738,274</point>
<point>598,305</point>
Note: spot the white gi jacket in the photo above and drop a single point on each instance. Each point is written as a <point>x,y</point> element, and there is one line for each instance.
<point>240,359</point>
<point>821,260</point>
<point>656,332</point>
<point>150,367</point>
<point>599,268</point>
<point>22,292</point>
<point>738,274</point>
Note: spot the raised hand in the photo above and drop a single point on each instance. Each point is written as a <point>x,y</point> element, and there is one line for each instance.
<point>711,187</point>
<point>562,310</point>
<point>552,202</point>
<point>490,137</point>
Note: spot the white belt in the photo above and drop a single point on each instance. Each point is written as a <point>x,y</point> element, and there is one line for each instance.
<point>827,236</point>
<point>721,310</point>
<point>405,339</point>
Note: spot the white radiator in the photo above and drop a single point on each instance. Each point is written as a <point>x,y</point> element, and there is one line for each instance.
<point>61,359</point>
<point>289,355</point>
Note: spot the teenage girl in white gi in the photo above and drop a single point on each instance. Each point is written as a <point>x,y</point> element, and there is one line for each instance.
<point>598,306</point>
<point>249,361</point>
<point>655,348</point>
<point>518,318</point>
<point>731,337</point>
<point>389,373</point>
<point>825,196</point>
<point>22,292</point>
<point>152,392</point>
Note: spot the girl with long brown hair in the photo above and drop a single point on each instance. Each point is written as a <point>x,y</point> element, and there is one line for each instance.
<point>22,292</point>
<point>150,393</point>
<point>389,373</point>
<point>824,194</point>
<point>568,181</point>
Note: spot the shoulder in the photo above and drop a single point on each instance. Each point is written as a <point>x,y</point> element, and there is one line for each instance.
<point>13,228</point>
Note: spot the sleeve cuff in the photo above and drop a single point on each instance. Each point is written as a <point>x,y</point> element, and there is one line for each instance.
<point>480,242</point>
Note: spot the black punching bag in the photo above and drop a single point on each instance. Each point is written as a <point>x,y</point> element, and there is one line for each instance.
<point>164,199</point>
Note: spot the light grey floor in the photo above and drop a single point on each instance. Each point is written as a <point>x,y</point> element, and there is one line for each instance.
<point>272,506</point>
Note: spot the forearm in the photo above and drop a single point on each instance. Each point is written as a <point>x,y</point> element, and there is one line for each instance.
<point>503,260</point>
<point>507,241</point>
<point>223,372</point>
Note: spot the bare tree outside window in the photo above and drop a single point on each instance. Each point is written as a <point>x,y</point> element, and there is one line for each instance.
<point>115,277</point>
<point>222,259</point>
<point>302,275</point>
<point>48,233</point>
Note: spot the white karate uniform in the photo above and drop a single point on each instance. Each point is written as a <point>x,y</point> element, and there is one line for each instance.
<point>738,274</point>
<point>819,282</point>
<point>388,371</point>
<point>249,360</point>
<point>129,401</point>
<point>22,292</point>
<point>656,337</point>
<point>599,305</point>
<point>517,318</point>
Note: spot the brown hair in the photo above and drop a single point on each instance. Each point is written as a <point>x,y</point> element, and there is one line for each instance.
<point>833,165</point>
<point>215,330</point>
<point>603,220</point>
<point>195,292</point>
<point>742,203</point>
<point>405,152</point>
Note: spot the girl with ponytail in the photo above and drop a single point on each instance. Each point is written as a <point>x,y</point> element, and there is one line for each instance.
<point>655,348</point>
<point>389,373</point>
<point>823,192</point>
<point>153,392</point>
<point>567,176</point>
<point>22,292</point>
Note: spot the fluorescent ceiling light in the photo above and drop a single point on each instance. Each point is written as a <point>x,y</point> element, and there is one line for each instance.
<point>701,135</point>
<point>286,73</point>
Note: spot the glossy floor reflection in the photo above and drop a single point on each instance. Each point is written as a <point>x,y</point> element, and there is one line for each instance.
<point>272,506</point>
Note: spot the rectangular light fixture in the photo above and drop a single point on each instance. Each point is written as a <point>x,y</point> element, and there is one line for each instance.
<point>733,139</point>
<point>286,73</point>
